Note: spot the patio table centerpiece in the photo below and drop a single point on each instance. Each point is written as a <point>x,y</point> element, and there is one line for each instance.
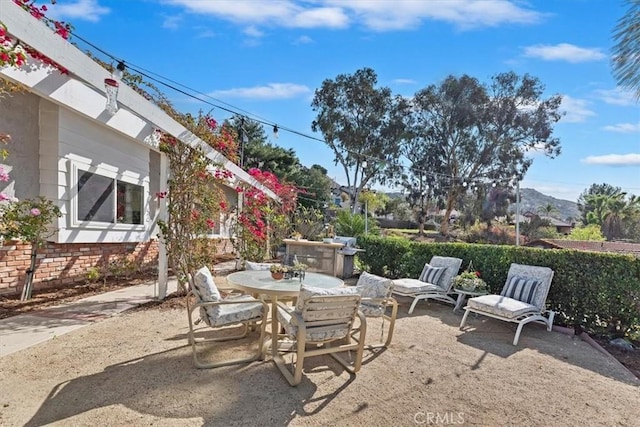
<point>278,271</point>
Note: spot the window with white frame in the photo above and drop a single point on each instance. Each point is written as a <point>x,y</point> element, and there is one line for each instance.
<point>103,198</point>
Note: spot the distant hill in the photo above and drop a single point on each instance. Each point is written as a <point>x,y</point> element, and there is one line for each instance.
<point>531,200</point>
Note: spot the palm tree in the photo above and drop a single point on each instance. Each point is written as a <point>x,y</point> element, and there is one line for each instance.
<point>599,210</point>
<point>626,51</point>
<point>612,224</point>
<point>547,210</point>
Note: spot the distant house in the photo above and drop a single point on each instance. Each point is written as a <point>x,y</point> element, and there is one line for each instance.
<point>562,227</point>
<point>102,170</point>
<point>593,246</point>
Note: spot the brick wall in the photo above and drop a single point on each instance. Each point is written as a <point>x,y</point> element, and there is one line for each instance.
<point>60,264</point>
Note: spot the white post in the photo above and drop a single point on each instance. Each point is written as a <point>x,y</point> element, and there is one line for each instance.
<point>518,213</point>
<point>160,291</point>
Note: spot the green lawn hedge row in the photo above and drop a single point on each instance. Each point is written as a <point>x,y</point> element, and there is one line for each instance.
<point>597,292</point>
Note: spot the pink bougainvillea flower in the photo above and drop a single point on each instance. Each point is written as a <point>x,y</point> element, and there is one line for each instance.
<point>4,197</point>
<point>223,205</point>
<point>35,212</point>
<point>4,176</point>
<point>210,223</point>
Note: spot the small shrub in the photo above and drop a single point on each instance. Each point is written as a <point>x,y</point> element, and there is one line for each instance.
<point>93,274</point>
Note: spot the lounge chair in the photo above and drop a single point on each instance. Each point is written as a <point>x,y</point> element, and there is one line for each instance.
<point>435,282</point>
<point>521,301</point>
<point>324,320</point>
<point>221,313</point>
<point>376,299</point>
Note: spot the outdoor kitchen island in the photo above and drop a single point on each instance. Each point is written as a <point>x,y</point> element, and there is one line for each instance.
<point>319,256</point>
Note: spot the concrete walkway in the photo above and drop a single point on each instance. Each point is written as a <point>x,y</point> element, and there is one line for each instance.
<point>25,330</point>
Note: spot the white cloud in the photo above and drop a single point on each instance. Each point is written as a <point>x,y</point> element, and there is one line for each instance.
<point>617,96</point>
<point>379,15</point>
<point>285,13</point>
<point>205,33</point>
<point>253,32</point>
<point>575,110</point>
<point>631,159</point>
<point>88,10</point>
<point>564,52</point>
<point>624,127</point>
<point>303,40</point>
<point>270,91</point>
<point>172,22</point>
<point>404,81</point>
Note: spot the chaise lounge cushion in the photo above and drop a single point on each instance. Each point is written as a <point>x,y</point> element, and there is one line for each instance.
<point>501,306</point>
<point>414,286</point>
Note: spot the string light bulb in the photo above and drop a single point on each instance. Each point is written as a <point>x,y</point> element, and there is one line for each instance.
<point>275,131</point>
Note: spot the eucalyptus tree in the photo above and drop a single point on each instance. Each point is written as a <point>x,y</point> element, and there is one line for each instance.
<point>363,125</point>
<point>477,133</point>
<point>626,51</point>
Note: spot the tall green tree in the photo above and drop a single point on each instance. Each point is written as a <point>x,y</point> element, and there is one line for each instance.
<point>477,133</point>
<point>585,203</point>
<point>314,185</point>
<point>363,125</point>
<point>626,50</point>
<point>257,152</point>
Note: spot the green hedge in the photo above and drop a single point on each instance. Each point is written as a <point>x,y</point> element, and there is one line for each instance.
<point>597,292</point>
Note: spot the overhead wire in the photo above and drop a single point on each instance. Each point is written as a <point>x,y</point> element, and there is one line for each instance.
<point>176,86</point>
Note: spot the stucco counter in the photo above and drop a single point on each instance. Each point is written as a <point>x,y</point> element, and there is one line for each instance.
<point>320,257</point>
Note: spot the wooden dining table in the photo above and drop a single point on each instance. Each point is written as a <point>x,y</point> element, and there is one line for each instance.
<point>260,282</point>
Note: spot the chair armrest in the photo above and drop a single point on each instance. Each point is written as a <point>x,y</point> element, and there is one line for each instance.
<point>289,314</point>
<point>231,291</point>
<point>381,301</point>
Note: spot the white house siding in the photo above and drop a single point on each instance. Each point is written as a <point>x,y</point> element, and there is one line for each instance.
<point>18,118</point>
<point>83,143</point>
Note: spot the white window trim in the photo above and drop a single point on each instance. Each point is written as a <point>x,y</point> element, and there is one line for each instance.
<point>107,172</point>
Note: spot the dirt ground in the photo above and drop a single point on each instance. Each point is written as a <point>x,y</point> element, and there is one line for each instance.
<point>136,369</point>
<point>10,305</point>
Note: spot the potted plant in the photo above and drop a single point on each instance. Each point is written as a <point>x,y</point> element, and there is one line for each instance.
<point>328,234</point>
<point>278,271</point>
<point>469,280</point>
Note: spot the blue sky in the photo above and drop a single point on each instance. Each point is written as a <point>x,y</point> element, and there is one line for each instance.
<point>267,57</point>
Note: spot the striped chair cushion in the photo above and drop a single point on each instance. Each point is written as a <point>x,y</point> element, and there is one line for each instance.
<point>520,288</point>
<point>431,274</point>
